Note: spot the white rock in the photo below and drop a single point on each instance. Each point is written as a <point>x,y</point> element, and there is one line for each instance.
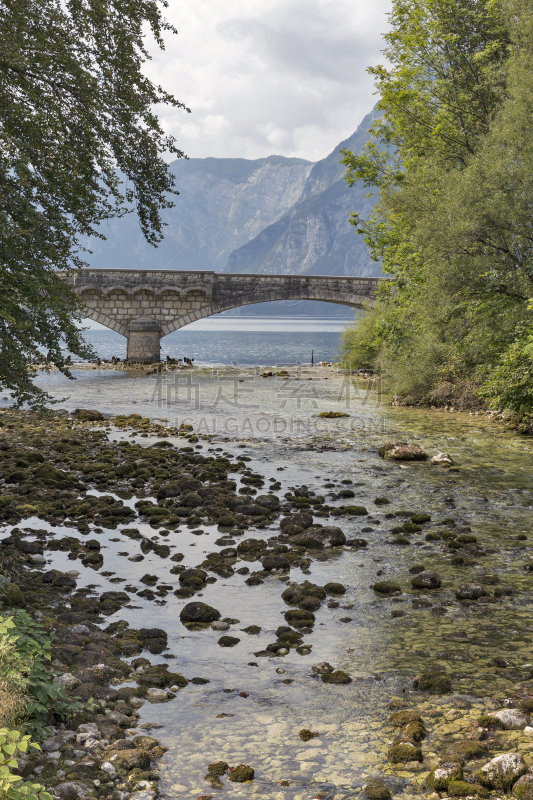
<point>37,559</point>
<point>157,694</point>
<point>442,460</point>
<point>220,626</point>
<point>55,755</point>
<point>109,769</point>
<point>512,718</point>
<point>528,730</point>
<point>67,680</point>
<point>502,771</point>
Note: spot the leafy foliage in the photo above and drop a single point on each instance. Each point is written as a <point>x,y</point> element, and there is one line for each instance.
<point>75,113</point>
<point>12,787</point>
<point>453,163</point>
<point>30,647</point>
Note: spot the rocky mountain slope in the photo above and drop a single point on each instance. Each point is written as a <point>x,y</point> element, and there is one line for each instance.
<point>223,203</point>
<point>314,236</point>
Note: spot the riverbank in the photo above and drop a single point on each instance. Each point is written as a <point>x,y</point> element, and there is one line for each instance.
<point>287,598</point>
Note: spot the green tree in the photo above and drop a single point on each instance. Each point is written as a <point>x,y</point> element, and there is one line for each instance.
<point>453,164</point>
<point>76,112</point>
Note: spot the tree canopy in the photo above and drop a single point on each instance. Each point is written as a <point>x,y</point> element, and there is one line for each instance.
<point>80,143</point>
<point>452,160</point>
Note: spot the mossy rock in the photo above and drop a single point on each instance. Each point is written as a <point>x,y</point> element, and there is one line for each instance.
<point>464,789</point>
<point>242,774</point>
<point>444,774</point>
<point>415,731</point>
<point>433,682</point>
<point>377,791</point>
<point>305,735</point>
<point>334,588</point>
<point>468,750</point>
<point>228,641</point>
<point>218,768</point>
<point>387,587</point>
<point>337,677</point>
<point>488,721</point>
<point>401,718</point>
<point>420,519</point>
<point>381,501</point>
<point>401,752</point>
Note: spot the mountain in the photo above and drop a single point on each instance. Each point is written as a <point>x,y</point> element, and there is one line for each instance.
<point>223,203</point>
<point>314,237</point>
<point>271,215</point>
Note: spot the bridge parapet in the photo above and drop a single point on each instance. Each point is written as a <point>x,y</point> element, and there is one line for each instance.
<point>144,305</point>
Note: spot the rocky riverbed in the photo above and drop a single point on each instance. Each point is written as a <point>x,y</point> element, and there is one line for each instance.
<point>288,617</point>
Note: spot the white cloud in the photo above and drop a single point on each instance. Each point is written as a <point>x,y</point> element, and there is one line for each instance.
<point>277,76</point>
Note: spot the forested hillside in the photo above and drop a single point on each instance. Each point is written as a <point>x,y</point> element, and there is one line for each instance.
<point>451,159</point>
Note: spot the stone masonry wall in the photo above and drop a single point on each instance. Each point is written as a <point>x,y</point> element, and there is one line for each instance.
<point>116,298</point>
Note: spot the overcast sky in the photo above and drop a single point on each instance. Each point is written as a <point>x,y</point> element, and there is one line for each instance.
<point>276,76</point>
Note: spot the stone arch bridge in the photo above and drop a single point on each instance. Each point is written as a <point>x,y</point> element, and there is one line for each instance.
<point>145,305</point>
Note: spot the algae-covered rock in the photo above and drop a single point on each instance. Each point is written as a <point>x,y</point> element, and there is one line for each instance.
<point>470,591</point>
<point>228,641</point>
<point>337,676</point>
<point>464,789</point>
<point>468,750</point>
<point>441,776</point>
<point>88,415</point>
<point>198,613</point>
<point>335,588</point>
<point>523,788</point>
<point>401,752</point>
<point>303,520</point>
<point>218,767</point>
<point>433,682</point>
<point>126,760</point>
<point>377,791</point>
<point>401,718</point>
<point>241,774</point>
<point>426,580</point>
<point>502,772</point>
<point>402,451</point>
<point>274,561</point>
<point>387,587</point>
<point>305,735</point>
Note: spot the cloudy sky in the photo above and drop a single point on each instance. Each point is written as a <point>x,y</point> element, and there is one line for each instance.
<point>276,76</point>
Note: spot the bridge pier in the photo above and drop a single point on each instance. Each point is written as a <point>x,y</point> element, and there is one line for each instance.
<point>143,340</point>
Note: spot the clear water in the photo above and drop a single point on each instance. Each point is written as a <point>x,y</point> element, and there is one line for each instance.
<point>275,419</point>
<point>226,340</point>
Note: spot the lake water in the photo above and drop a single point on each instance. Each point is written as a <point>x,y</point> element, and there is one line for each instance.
<point>227,340</point>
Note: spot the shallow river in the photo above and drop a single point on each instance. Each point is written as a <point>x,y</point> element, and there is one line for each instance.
<point>273,422</point>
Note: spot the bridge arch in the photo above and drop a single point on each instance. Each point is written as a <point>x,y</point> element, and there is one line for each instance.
<point>355,301</point>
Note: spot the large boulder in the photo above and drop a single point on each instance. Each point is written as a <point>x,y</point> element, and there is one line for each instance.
<point>502,772</point>
<point>511,718</point>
